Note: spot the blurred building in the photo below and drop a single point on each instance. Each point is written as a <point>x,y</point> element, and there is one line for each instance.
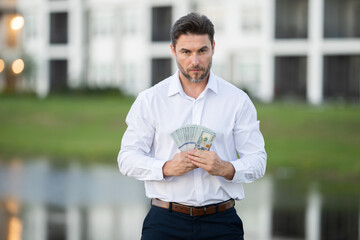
<point>273,49</point>
<point>11,62</point>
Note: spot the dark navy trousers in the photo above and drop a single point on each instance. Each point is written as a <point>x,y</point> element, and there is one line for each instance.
<point>163,224</point>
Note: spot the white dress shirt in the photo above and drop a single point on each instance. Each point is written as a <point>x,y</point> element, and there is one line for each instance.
<point>163,108</point>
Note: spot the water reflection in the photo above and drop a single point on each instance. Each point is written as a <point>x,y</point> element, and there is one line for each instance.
<point>42,202</point>
<point>289,207</point>
<point>87,203</point>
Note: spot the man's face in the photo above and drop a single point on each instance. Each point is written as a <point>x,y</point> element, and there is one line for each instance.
<point>193,54</point>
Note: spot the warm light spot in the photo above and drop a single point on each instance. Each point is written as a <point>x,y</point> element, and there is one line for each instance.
<point>18,66</point>
<point>17,23</point>
<point>15,228</point>
<point>12,207</point>
<point>2,65</point>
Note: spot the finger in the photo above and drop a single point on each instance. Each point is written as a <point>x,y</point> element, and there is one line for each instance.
<point>194,152</point>
<point>187,161</point>
<point>197,158</point>
<point>198,153</point>
<point>199,164</point>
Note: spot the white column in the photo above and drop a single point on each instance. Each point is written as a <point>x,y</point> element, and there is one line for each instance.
<point>313,216</point>
<point>101,223</point>
<point>73,223</point>
<point>130,220</point>
<point>266,209</point>
<point>42,78</point>
<point>35,223</point>
<point>76,28</point>
<point>267,58</point>
<point>315,58</point>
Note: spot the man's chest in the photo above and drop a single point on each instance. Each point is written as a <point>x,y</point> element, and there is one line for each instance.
<point>212,113</point>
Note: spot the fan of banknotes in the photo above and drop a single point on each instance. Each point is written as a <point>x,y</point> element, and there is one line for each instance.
<point>193,137</point>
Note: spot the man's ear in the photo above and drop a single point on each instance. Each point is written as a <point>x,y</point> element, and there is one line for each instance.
<point>173,50</point>
<point>213,47</point>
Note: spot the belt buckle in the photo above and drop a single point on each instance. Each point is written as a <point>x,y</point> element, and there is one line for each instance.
<point>191,211</point>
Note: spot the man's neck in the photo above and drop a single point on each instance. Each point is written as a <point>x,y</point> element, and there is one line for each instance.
<point>193,89</point>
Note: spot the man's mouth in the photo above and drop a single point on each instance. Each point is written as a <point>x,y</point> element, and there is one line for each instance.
<point>196,70</point>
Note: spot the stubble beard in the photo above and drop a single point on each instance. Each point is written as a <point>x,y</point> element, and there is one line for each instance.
<point>196,79</point>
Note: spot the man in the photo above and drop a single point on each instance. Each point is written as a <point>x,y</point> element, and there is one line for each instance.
<point>193,192</point>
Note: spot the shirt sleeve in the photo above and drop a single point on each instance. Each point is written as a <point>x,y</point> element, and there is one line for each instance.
<point>135,158</point>
<point>249,144</point>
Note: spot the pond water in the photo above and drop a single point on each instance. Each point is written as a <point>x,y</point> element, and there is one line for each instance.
<point>39,201</point>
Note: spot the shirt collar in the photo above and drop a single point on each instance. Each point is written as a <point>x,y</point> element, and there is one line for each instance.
<point>212,83</point>
<point>175,85</point>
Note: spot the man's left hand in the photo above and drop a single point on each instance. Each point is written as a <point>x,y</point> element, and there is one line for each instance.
<point>211,162</point>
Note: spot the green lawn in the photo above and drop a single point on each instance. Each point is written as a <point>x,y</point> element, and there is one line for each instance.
<point>64,128</point>
<point>322,139</point>
<point>312,139</point>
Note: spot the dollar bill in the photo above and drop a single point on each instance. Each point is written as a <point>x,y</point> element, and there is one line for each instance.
<point>193,136</point>
<point>205,140</point>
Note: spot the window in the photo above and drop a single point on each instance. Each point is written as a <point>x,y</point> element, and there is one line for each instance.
<point>291,19</point>
<point>216,12</point>
<point>58,75</point>
<point>56,224</point>
<point>288,223</point>
<point>161,69</point>
<point>59,28</point>
<point>290,77</point>
<point>288,216</point>
<point>251,20</point>
<point>342,77</point>
<point>248,72</point>
<point>129,22</point>
<point>342,19</point>
<point>340,216</point>
<point>161,23</point>
<point>339,224</point>
<point>102,23</point>
<point>31,26</point>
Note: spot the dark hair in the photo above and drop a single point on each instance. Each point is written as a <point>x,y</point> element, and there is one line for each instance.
<point>192,23</point>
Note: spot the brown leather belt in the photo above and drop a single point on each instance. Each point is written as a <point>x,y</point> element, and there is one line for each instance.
<point>194,211</point>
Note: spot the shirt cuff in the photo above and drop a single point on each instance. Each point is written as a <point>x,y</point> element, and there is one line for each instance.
<point>239,175</point>
<point>159,171</point>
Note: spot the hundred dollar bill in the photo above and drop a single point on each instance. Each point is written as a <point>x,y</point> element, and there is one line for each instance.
<point>205,140</point>
<point>193,136</point>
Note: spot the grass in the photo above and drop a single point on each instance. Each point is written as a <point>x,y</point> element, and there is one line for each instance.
<point>318,140</point>
<point>314,139</point>
<point>86,129</point>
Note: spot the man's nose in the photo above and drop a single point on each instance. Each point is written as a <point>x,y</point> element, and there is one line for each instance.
<point>195,60</point>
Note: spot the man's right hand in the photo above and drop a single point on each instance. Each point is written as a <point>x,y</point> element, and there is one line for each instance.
<point>178,166</point>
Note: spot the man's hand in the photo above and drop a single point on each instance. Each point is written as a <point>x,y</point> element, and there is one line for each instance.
<point>179,165</point>
<point>211,162</point>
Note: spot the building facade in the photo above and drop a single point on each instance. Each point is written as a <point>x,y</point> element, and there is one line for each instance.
<point>273,49</point>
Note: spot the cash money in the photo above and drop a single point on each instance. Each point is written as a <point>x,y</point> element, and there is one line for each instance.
<point>193,137</point>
